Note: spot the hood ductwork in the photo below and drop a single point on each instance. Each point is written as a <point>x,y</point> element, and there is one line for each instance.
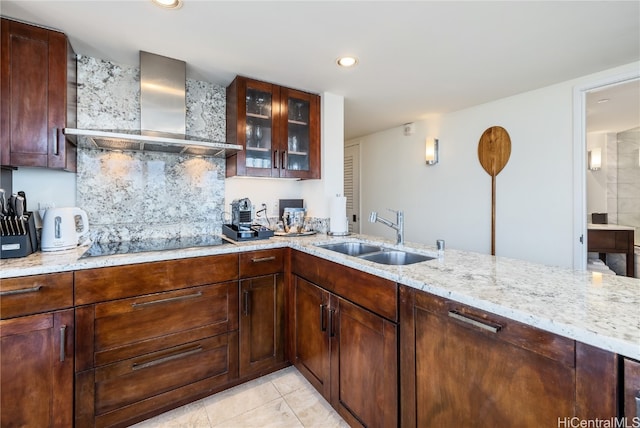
<point>162,116</point>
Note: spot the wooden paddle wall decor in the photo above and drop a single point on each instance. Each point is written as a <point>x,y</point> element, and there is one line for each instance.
<point>494,150</point>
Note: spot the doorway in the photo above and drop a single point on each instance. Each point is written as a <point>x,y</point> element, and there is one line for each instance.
<point>604,111</point>
<point>352,185</point>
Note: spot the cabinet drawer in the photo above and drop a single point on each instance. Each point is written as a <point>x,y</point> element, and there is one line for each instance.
<point>376,294</point>
<point>257,263</point>
<point>129,327</point>
<point>34,294</point>
<point>117,282</point>
<point>145,377</point>
<point>547,344</point>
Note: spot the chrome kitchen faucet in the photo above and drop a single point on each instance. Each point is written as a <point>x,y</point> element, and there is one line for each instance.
<point>399,226</point>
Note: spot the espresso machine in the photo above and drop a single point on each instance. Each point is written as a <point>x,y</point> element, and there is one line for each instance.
<point>242,227</point>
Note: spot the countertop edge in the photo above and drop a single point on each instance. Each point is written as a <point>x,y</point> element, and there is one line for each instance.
<point>59,262</point>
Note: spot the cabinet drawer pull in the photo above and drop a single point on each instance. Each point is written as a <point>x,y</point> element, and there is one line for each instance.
<point>464,318</point>
<point>263,259</point>
<point>323,320</point>
<point>168,300</point>
<point>21,291</point>
<point>63,341</point>
<point>140,366</point>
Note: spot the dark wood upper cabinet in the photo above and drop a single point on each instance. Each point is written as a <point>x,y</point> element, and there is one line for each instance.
<point>38,84</point>
<point>279,129</point>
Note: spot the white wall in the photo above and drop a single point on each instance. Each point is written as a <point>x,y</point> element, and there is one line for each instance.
<point>452,200</point>
<point>46,185</point>
<point>316,193</point>
<point>597,180</point>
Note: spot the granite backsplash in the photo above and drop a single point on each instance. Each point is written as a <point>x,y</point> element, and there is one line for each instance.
<point>137,195</point>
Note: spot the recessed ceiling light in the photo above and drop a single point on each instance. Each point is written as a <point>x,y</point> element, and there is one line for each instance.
<point>168,4</point>
<point>347,61</point>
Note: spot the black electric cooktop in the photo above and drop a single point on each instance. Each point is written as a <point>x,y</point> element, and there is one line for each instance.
<point>155,244</point>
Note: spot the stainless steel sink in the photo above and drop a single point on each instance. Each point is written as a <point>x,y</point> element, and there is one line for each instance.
<point>376,253</point>
<point>396,257</point>
<point>352,248</point>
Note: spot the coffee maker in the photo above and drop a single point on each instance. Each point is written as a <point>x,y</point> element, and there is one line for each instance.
<point>242,227</point>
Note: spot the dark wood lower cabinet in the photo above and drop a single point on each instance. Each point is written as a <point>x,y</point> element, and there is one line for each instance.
<point>464,367</point>
<point>132,390</point>
<point>140,347</point>
<point>310,339</point>
<point>143,347</point>
<point>631,398</point>
<point>348,353</point>
<point>36,370</point>
<point>261,324</point>
<point>364,366</point>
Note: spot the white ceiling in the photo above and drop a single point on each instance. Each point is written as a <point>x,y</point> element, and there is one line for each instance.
<point>614,108</point>
<point>417,58</point>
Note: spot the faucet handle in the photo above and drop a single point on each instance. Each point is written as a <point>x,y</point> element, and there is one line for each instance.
<point>373,217</point>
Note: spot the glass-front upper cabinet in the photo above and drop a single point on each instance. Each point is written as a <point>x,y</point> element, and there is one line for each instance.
<point>252,121</point>
<point>302,155</point>
<point>259,128</point>
<point>278,128</point>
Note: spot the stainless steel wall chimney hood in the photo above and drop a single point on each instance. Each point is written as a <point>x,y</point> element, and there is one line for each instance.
<point>162,116</point>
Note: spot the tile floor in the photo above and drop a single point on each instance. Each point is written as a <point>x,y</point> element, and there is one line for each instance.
<point>280,399</point>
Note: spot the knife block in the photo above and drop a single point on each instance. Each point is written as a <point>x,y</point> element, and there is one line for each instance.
<point>12,246</point>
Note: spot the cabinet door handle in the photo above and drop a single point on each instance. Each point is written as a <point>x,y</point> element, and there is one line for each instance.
<point>323,320</point>
<point>245,296</point>
<point>276,158</point>
<point>638,404</point>
<point>63,341</point>
<point>332,327</point>
<point>139,366</point>
<point>168,300</point>
<point>284,159</point>
<point>465,318</point>
<point>56,144</point>
<point>21,291</point>
<point>263,259</point>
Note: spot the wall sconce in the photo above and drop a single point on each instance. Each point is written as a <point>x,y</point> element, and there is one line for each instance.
<point>431,151</point>
<point>595,159</point>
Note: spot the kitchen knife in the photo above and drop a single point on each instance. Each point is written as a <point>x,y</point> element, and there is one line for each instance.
<point>19,201</point>
<point>11,204</point>
<point>3,203</point>
<point>9,224</point>
<point>24,200</point>
<point>13,219</point>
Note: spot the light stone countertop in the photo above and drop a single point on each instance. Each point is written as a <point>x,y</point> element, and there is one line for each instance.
<point>594,308</point>
<point>597,226</point>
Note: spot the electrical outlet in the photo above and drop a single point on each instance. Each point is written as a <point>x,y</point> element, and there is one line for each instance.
<point>46,205</point>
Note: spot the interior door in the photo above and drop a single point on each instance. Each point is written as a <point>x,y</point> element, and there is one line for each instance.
<point>591,118</point>
<point>352,185</point>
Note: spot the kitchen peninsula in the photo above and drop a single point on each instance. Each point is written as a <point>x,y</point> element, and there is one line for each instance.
<point>598,312</point>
